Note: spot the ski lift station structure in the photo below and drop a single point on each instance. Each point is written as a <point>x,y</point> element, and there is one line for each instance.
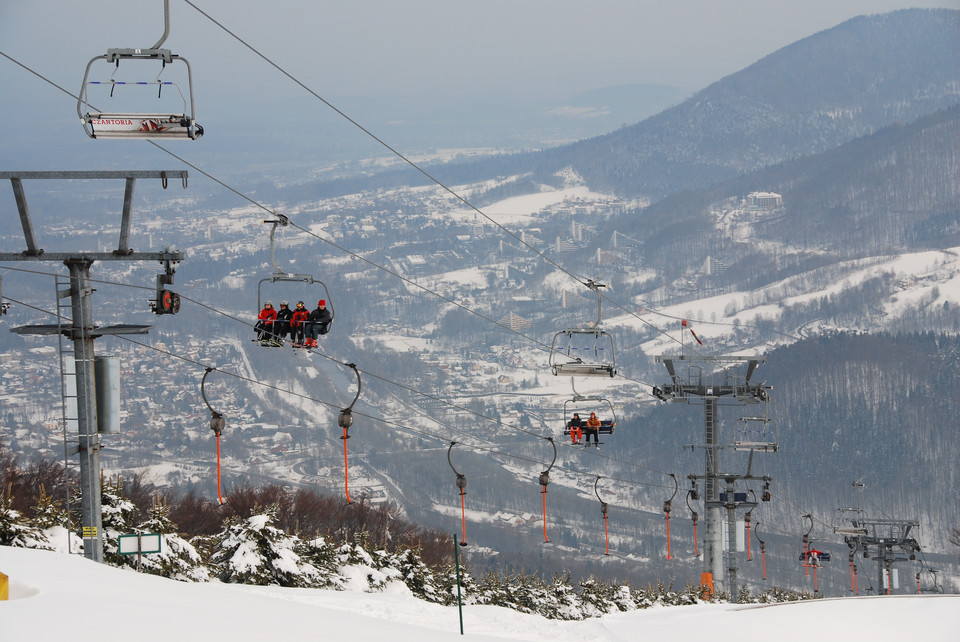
<point>179,123</point>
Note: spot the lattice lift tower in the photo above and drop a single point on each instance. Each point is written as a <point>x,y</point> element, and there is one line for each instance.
<point>694,382</point>
<point>82,329</point>
<point>886,541</point>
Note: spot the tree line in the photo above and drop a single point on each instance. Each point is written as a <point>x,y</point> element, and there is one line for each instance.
<point>272,536</point>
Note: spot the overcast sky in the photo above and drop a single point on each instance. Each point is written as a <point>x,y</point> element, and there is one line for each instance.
<point>423,45</point>
<point>401,48</point>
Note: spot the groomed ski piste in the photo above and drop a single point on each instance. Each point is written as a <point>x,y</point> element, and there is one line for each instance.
<point>58,596</point>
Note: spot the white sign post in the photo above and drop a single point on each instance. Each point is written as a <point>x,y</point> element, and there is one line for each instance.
<point>139,544</point>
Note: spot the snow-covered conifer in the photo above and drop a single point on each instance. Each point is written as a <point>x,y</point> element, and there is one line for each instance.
<point>447,583</point>
<point>253,551</point>
<point>16,530</point>
<point>323,555</point>
<point>418,577</point>
<point>177,559</point>
<point>118,519</point>
<point>597,598</point>
<point>564,602</point>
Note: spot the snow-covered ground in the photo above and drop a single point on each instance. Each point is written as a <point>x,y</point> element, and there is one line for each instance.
<point>58,596</point>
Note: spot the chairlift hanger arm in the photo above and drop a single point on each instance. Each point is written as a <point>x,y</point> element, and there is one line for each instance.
<point>806,535</point>
<point>667,505</point>
<point>545,475</point>
<point>217,421</point>
<point>461,478</point>
<point>280,220</point>
<point>594,285</point>
<point>345,420</point>
<point>603,504</point>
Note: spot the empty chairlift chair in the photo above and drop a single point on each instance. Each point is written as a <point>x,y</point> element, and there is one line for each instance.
<point>164,117</point>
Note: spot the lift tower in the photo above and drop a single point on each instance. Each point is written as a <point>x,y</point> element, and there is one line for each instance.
<point>82,330</point>
<point>690,380</point>
<point>886,541</point>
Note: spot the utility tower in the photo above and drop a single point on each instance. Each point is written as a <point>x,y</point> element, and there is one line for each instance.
<point>82,329</point>
<point>706,378</point>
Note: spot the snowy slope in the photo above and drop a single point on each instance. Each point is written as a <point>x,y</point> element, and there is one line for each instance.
<point>56,596</point>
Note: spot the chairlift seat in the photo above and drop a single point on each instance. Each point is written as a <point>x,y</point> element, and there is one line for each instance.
<point>759,446</point>
<point>738,497</point>
<point>607,427</point>
<point>179,126</point>
<point>823,556</point>
<point>580,369</point>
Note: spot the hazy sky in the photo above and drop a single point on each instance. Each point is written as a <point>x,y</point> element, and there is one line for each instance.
<point>390,46</point>
<point>379,49</point>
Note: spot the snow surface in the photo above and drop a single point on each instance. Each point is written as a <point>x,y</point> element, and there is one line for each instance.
<point>59,596</point>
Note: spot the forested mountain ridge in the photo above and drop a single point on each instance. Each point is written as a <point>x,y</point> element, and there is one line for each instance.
<point>890,192</point>
<point>808,97</point>
<point>811,96</point>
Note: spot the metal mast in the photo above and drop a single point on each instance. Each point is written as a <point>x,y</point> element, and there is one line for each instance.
<point>82,330</point>
<point>710,387</point>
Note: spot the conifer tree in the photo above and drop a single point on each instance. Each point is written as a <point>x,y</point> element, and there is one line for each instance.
<point>47,511</point>
<point>254,551</point>
<point>596,598</point>
<point>564,602</point>
<point>118,514</point>
<point>323,555</point>
<point>418,577</point>
<point>177,559</point>
<point>16,530</point>
<point>447,583</point>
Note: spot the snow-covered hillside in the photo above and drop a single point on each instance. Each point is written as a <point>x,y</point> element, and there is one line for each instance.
<point>58,596</point>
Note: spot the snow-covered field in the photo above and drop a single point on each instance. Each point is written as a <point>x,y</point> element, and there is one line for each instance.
<point>58,596</point>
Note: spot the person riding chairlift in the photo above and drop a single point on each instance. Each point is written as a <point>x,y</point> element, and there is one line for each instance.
<point>298,324</point>
<point>592,429</point>
<point>318,323</point>
<point>576,429</point>
<point>265,319</point>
